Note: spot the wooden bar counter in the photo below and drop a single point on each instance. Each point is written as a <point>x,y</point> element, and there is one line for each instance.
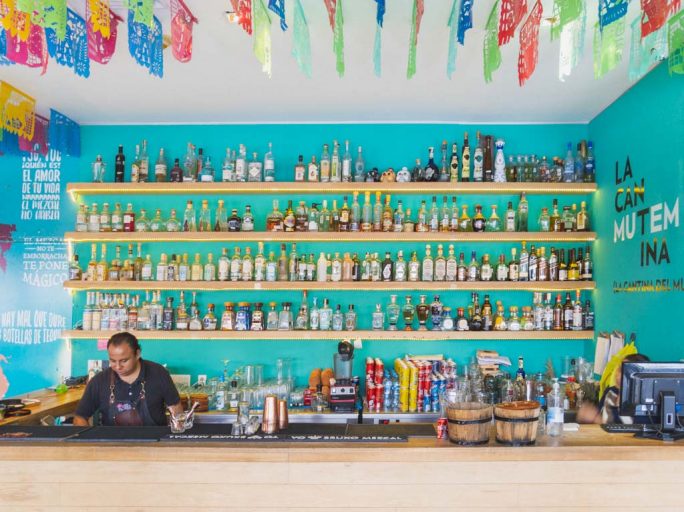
<point>585,470</point>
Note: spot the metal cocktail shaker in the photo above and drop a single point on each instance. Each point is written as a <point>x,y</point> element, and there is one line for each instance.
<point>269,424</point>
<point>283,417</point>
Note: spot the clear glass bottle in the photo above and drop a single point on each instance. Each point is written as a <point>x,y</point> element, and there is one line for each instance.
<point>189,218</point>
<point>378,319</point>
<point>544,220</point>
<point>241,164</point>
<point>228,168</point>
<point>338,319</point>
<point>494,222</point>
<point>326,316</point>
<point>393,311</point>
<point>205,224</point>
<point>350,319</point>
<point>408,313</point>
<point>98,170</point>
<point>465,223</point>
<point>285,320</point>
<point>479,222</point>
<point>269,164</point>
<point>209,322</point>
<point>272,317</point>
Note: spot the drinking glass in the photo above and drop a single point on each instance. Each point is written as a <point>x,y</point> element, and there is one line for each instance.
<point>178,422</point>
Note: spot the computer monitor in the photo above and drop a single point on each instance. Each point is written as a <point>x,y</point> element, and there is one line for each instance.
<point>654,391</point>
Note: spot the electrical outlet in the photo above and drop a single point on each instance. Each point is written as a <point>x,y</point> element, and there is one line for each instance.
<point>201,380</point>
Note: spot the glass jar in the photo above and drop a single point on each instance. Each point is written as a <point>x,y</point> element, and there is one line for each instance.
<point>243,316</point>
<point>257,317</point>
<point>228,317</point>
<point>285,319</point>
<point>272,317</point>
<point>513,320</point>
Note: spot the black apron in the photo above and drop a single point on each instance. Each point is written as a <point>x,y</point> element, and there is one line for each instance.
<point>128,413</point>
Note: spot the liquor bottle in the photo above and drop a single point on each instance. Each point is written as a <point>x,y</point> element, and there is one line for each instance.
<point>562,266</point>
<point>414,268</point>
<point>387,268</point>
<point>314,219</point>
<point>533,266</point>
<point>590,166</point>
<point>377,213</point>
<point>543,265</point>
<point>160,167</point>
<point>465,223</point>
<point>356,268</point>
<point>142,224</point>
<point>168,315</point>
<point>378,319</point>
<point>116,219</point>
<point>521,217</point>
<point>488,164</point>
<point>157,223</point>
<point>479,221</point>
<point>255,169</point>
<point>524,274</point>
<point>478,157</point>
<point>465,159</point>
<point>409,225</point>
<point>387,216</point>
<point>334,217</point>
<point>494,221</point>
<point>228,168</point>
<point>337,319</point>
<point>569,166</point>
<point>418,174</point>
<point>393,312</point>
<point>588,316</point>
<point>486,270</point>
<point>502,269</point>
<point>444,173</point>
<point>144,163</point>
<point>431,171</point>
<point>325,164</point>
<point>451,265</point>
<point>209,272</point>
<point>119,166</point>
<point>422,222</point>
<point>300,169</point>
<point>553,265</point>
<point>105,219</point>
<point>514,267</point>
<point>234,221</point>
<point>355,213</point>
<point>579,163</point>
<point>207,173</point>
<point>241,164</point>
<point>205,224</point>
<point>400,267</point>
<point>184,269</point>
<point>558,314</point>
<point>114,270</point>
<point>271,268</point>
<point>359,167</point>
<point>520,373</point>
<point>399,219</point>
<point>313,170</point>
<point>476,323</point>
<point>345,216</point>
<point>544,220</point>
<point>221,223</point>
<point>587,267</point>
<point>408,313</point>
<point>473,268</point>
<point>367,214</point>
<point>269,164</point>
<point>75,273</point>
<point>444,216</point>
<point>135,166</point>
<point>350,319</point>
<point>324,218</point>
<point>577,313</point>
<point>224,264</point>
<point>189,219</point>
<point>510,220</point>
<point>453,221</point>
<point>567,313</point>
<point>500,163</point>
<point>274,221</point>
<point>335,163</point>
<point>582,218</point>
<point>209,321</point>
<point>573,268</point>
<point>453,166</point>
<point>292,264</point>
<point>433,217</point>
<point>462,269</point>
<point>346,174</point>
<point>101,266</point>
<point>325,316</point>
<point>428,266</point>
<point>375,267</point>
<point>440,264</point>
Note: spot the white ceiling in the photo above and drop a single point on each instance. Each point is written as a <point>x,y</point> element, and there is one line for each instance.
<point>224,82</point>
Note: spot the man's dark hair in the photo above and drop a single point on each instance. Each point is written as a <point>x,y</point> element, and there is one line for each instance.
<point>636,358</point>
<point>124,337</point>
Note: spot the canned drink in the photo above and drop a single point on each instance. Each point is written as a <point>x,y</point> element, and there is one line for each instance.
<point>370,395</point>
<point>379,397</point>
<point>413,399</point>
<point>379,370</point>
<point>370,368</point>
<point>413,374</point>
<point>403,399</point>
<point>442,428</point>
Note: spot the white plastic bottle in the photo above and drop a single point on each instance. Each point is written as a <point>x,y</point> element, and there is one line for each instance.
<point>554,402</point>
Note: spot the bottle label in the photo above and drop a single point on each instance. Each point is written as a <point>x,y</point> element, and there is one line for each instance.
<point>555,414</point>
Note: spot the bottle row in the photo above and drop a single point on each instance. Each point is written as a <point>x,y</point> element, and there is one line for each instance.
<point>488,165</point>
<point>355,218</point>
<point>116,312</point>
<point>532,265</point>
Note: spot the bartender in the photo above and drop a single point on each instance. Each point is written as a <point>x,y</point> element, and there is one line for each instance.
<point>131,392</point>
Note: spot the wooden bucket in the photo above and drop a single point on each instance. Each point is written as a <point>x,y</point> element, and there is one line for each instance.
<point>469,423</point>
<point>203,400</point>
<point>516,422</point>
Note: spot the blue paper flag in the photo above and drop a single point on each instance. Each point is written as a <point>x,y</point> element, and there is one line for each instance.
<point>278,7</point>
<point>4,61</point>
<point>9,143</point>
<point>465,19</point>
<point>64,134</point>
<point>72,51</point>
<point>611,11</point>
<point>145,45</point>
<point>380,14</point>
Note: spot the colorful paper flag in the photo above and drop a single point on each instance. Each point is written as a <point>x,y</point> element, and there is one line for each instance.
<point>278,7</point>
<point>4,61</point>
<point>465,19</point>
<point>17,110</point>
<point>491,51</point>
<point>610,11</point>
<point>608,46</point>
<point>301,44</point>
<point>330,7</point>
<point>564,12</point>
<point>654,14</point>
<point>512,13</point>
<point>675,39</point>
<point>182,21</point>
<point>32,52</point>
<point>645,52</point>
<point>418,9</point>
<point>262,36</point>
<point>244,12</point>
<point>143,12</point>
<point>72,51</point>
<point>64,134</point>
<point>377,45</point>
<point>338,39</point>
<point>146,45</point>
<point>100,47</point>
<point>529,44</point>
<point>38,143</point>
<point>571,45</point>
<point>453,38</point>
<point>98,18</point>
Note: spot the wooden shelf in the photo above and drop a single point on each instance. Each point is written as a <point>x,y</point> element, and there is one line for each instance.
<point>262,188</point>
<point>337,335</point>
<point>332,286</point>
<point>268,236</point>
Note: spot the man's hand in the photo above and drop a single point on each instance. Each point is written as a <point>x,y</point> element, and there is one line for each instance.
<point>80,421</point>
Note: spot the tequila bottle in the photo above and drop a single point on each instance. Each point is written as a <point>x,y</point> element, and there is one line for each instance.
<point>335,171</point>
<point>544,220</point>
<point>271,268</point>
<point>241,164</point>
<point>315,316</point>
<point>462,269</point>
<point>173,224</point>
<point>221,223</point>
<point>196,269</point>
<point>521,224</point>
<point>377,213</point>
<point>157,223</point>
<point>582,223</point>
<point>326,316</point>
<point>393,313</point>
<point>502,269</point>
<point>117,219</point>
<point>434,217</point>
<point>337,319</point>
<point>255,169</point>
<point>378,319</point>
<point>479,221</point>
<point>184,269</point>
<point>247,219</point>
<point>223,272</point>
<point>359,167</point>
<point>135,166</point>
<point>453,165</point>
<point>366,214</point>
<point>428,267</point>
<point>325,164</point>
<point>478,160</point>
<point>189,219</point>
<point>207,174</point>
<point>228,169</point>
<point>346,174</point>
<point>494,221</point>
<point>313,170</point>
<point>514,266</point>
<point>190,164</point>
<point>274,221</point>
<point>451,265</point>
<point>314,219</point>
<point>465,223</point>
<point>234,221</point>
<point>408,313</point>
<point>387,269</point>
<point>129,219</point>
<point>300,169</point>
<point>486,270</point>
<point>210,268</point>
<point>269,164</point>
<point>473,268</point>
<point>350,319</point>
<point>440,264</point>
<point>105,219</point>
<point>510,220</point>
<point>422,311</point>
<point>209,322</point>
<point>162,268</point>
<point>355,218</point>
<point>400,267</point>
<point>205,224</point>
<point>465,159</point>
<point>499,163</point>
<point>414,268</point>
<point>387,216</point>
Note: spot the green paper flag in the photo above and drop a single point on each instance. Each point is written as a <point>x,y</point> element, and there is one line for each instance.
<point>301,43</point>
<point>413,42</point>
<point>50,14</point>
<point>491,51</point>
<point>571,45</point>
<point>453,39</point>
<point>564,12</point>
<point>262,36</point>
<point>377,51</point>
<point>675,39</point>
<point>338,38</point>
<point>608,46</point>
<point>644,53</point>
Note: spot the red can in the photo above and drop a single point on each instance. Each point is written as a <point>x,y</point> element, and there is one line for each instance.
<point>379,371</point>
<point>370,395</point>
<point>442,428</point>
<point>379,397</point>
<point>370,368</point>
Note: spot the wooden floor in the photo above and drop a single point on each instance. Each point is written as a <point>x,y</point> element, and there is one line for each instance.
<point>590,471</point>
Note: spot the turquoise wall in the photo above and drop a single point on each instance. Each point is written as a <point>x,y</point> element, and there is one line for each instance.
<point>384,146</point>
<point>645,125</point>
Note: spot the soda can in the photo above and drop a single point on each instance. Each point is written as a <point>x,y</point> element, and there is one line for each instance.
<point>370,395</point>
<point>379,370</point>
<point>442,428</point>
<point>370,368</point>
<point>403,399</point>
<point>413,399</point>
<point>413,374</point>
<point>379,397</point>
